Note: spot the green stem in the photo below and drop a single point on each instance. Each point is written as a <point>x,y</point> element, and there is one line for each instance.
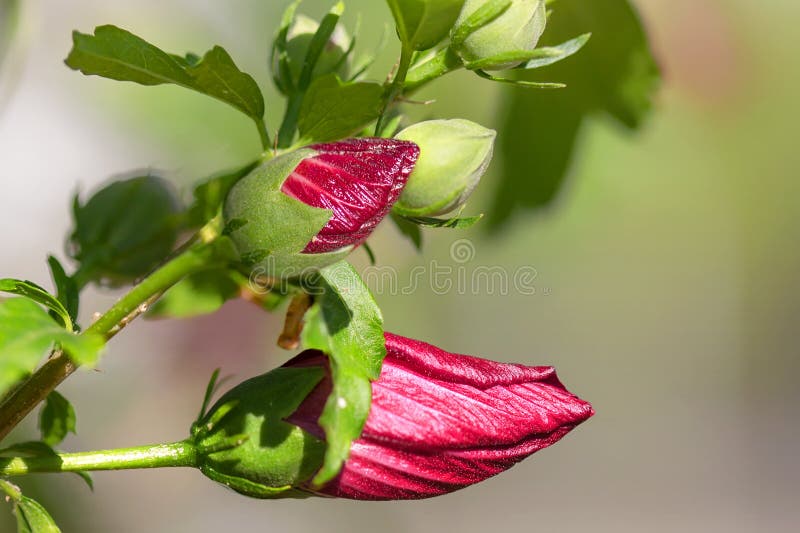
<point>194,259</point>
<point>443,62</point>
<point>406,55</point>
<point>289,123</point>
<point>175,454</point>
<point>266,144</point>
<point>197,257</point>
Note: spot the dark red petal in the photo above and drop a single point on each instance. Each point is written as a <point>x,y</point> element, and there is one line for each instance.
<point>442,421</point>
<point>358,179</point>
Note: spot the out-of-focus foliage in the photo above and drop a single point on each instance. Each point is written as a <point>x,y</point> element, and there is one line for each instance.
<point>615,73</point>
<point>8,23</point>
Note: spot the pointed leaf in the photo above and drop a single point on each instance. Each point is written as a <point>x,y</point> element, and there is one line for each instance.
<point>333,109</point>
<point>210,195</point>
<point>120,55</point>
<point>615,73</point>
<point>66,289</point>
<point>36,293</point>
<point>56,419</point>
<point>219,77</point>
<point>33,518</point>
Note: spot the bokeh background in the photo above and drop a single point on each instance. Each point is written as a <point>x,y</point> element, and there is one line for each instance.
<point>667,287</point>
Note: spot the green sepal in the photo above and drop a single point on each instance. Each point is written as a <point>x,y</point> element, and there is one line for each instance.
<point>409,230</point>
<point>453,223</point>
<point>521,83</point>
<point>548,55</point>
<point>246,487</point>
<point>271,454</point>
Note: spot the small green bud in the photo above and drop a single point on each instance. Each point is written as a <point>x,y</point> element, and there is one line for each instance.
<point>454,154</point>
<point>244,442</point>
<point>332,59</point>
<point>516,30</point>
<point>125,229</point>
<point>422,24</point>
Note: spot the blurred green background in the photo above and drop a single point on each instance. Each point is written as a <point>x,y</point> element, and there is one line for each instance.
<point>666,288</point>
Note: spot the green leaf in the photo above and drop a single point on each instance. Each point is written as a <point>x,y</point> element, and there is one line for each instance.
<point>454,223</point>
<point>56,419</point>
<point>27,333</point>
<point>321,38</point>
<point>66,289</point>
<point>281,71</point>
<point>347,324</point>
<point>210,195</point>
<point>120,55</point>
<point>333,109</point>
<point>36,293</point>
<point>614,74</point>
<point>421,24</point>
<point>125,230</point>
<point>198,294</point>
<point>33,518</point>
<point>219,77</point>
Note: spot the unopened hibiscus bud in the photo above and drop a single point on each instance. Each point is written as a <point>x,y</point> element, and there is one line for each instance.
<point>311,207</point>
<point>332,59</point>
<point>518,29</point>
<point>454,154</point>
<point>124,230</point>
<point>438,422</point>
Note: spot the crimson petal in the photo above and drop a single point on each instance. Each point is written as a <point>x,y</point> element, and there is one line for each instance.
<point>441,421</point>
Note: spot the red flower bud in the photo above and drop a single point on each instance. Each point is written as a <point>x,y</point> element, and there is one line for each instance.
<point>441,421</point>
<point>358,179</point>
<point>309,208</point>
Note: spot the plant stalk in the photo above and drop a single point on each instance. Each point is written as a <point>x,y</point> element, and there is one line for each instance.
<point>406,55</point>
<point>175,454</point>
<point>17,405</point>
